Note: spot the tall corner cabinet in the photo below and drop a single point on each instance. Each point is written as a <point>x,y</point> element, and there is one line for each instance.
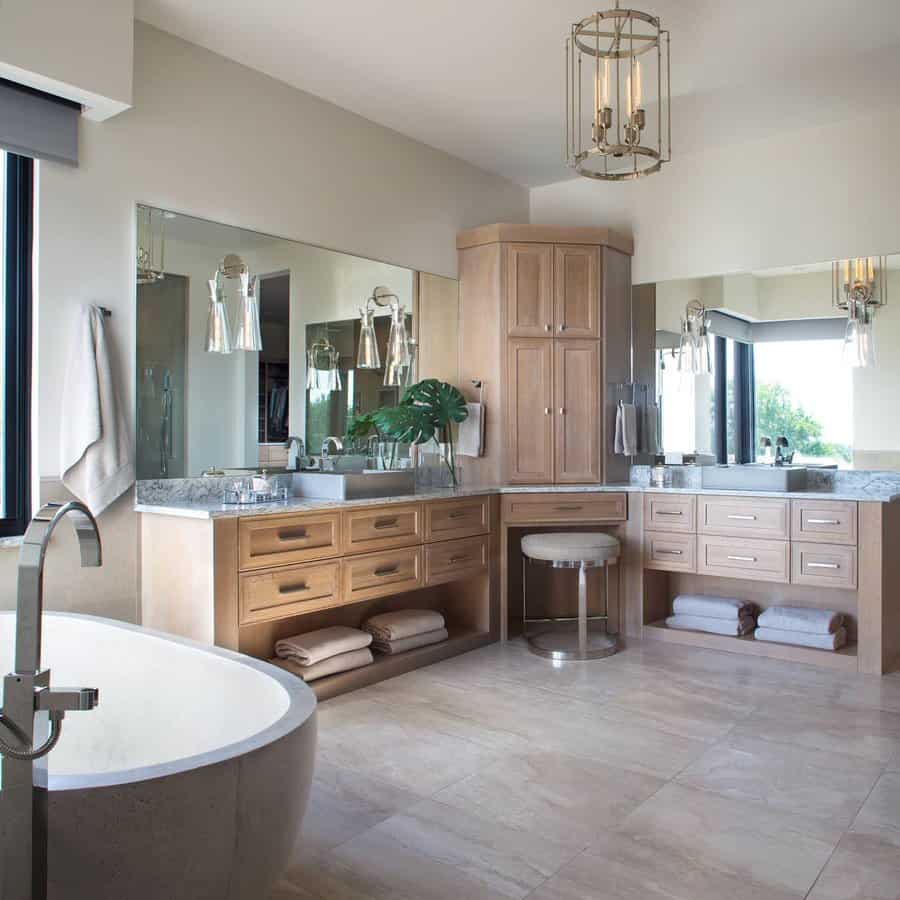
<point>545,327</point>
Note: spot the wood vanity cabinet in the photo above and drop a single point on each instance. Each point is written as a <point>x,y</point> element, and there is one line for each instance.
<point>544,327</point>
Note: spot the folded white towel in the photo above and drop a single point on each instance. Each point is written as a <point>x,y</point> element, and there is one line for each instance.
<point>734,627</point>
<point>404,623</point>
<point>711,607</point>
<point>470,441</point>
<point>314,646</point>
<point>343,662</point>
<point>401,645</point>
<point>626,438</point>
<point>833,641</point>
<point>796,618</point>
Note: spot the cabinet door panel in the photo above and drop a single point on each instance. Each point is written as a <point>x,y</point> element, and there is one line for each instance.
<point>530,414</point>
<point>577,411</point>
<point>529,290</point>
<point>576,298</point>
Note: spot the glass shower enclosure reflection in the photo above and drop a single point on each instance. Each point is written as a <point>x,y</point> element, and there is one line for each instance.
<point>161,355</point>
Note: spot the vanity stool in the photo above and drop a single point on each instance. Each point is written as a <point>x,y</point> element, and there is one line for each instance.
<point>576,550</point>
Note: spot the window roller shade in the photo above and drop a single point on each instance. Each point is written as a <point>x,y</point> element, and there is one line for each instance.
<point>38,125</point>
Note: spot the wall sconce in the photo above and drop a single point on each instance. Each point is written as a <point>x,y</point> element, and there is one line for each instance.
<point>246,325</point>
<point>693,349</point>
<point>399,359</point>
<point>859,286</point>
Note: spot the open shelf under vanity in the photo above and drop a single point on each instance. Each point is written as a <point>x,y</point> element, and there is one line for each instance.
<point>461,639</point>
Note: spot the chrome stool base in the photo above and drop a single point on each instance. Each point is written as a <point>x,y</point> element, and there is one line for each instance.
<point>565,646</point>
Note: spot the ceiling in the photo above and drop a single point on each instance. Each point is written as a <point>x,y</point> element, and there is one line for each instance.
<point>483,79</point>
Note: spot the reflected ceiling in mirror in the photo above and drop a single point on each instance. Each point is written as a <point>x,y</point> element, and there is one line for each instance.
<point>200,411</point>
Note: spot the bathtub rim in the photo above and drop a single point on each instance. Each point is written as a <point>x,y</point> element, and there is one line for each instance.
<point>301,709</point>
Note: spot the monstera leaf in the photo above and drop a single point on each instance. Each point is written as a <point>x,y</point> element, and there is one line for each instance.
<point>443,402</point>
<point>407,424</point>
<point>360,427</point>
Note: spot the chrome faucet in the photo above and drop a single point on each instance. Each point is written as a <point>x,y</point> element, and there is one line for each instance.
<point>31,709</point>
<point>338,445</point>
<point>782,457</point>
<point>290,444</point>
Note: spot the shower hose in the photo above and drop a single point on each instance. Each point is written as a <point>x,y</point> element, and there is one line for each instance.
<point>32,754</point>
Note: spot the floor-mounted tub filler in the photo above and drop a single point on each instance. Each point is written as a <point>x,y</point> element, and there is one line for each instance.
<point>187,780</point>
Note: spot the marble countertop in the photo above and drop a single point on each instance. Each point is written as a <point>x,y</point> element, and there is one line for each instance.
<point>211,510</point>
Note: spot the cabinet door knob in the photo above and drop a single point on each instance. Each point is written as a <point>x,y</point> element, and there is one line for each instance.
<point>546,410</point>
<point>562,327</point>
<point>548,327</point>
<point>562,410</point>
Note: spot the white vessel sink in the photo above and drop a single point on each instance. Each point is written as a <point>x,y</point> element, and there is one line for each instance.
<point>754,477</point>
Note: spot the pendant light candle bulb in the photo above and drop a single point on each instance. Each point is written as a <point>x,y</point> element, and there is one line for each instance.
<point>633,89</point>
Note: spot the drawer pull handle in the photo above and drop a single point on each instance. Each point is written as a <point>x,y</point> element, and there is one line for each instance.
<point>387,570</point>
<point>672,552</point>
<point>292,534</point>
<point>824,521</point>
<point>822,566</point>
<point>459,514</point>
<point>743,558</point>
<point>568,508</point>
<point>293,588</point>
<point>743,518</point>
<point>668,512</point>
<point>385,523</point>
<point>458,559</point>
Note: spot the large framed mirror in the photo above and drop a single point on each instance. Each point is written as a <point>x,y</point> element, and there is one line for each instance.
<point>784,362</point>
<point>205,405</point>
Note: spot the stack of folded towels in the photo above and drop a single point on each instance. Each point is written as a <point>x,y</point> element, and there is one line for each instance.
<point>326,651</point>
<point>718,615</point>
<point>820,628</point>
<point>406,629</point>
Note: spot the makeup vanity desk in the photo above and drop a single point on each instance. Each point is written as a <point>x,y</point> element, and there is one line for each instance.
<point>243,577</point>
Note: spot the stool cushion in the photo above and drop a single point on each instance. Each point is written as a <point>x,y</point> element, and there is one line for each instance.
<point>571,547</point>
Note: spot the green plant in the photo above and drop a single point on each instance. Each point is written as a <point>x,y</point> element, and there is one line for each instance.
<point>427,411</point>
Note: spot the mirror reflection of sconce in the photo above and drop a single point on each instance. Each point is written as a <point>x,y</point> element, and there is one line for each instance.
<point>323,371</point>
<point>693,348</point>
<point>400,356</point>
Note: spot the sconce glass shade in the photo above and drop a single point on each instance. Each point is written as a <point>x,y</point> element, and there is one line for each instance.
<point>249,336</point>
<point>398,357</point>
<point>151,245</point>
<point>859,338</point>
<point>323,371</point>
<point>218,331</point>
<point>368,356</point>
<point>693,348</point>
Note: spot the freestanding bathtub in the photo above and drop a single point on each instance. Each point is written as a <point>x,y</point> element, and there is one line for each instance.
<point>187,782</point>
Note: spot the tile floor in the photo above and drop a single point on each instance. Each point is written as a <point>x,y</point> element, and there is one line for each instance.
<point>663,772</point>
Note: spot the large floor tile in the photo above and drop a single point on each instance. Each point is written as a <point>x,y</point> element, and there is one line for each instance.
<point>785,777</point>
<point>872,734</point>
<point>563,798</point>
<point>508,860</point>
<point>880,815</point>
<point>618,867</point>
<point>776,850</point>
<point>344,803</point>
<point>862,868</point>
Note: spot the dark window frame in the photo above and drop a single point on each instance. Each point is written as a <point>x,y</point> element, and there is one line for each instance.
<point>744,423</point>
<point>19,213</point>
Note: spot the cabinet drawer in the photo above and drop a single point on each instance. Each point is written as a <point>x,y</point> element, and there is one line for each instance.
<point>743,558</point>
<point>823,521</point>
<point>379,574</point>
<point>450,560</point>
<point>670,552</point>
<point>670,512</point>
<point>283,540</point>
<point>381,527</point>
<point>752,517</point>
<point>826,565</point>
<point>289,591</point>
<point>553,507</point>
<point>446,519</point>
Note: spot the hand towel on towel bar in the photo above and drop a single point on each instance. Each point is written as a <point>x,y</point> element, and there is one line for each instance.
<point>711,607</point>
<point>343,662</point>
<point>404,623</point>
<point>625,443</point>
<point>315,646</point>
<point>401,645</point>
<point>733,627</point>
<point>833,641</point>
<point>96,451</point>
<point>470,441</point>
<point>797,618</point>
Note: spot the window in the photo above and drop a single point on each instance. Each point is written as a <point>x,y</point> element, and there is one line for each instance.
<point>16,202</point>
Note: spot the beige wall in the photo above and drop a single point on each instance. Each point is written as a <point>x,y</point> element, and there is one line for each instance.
<point>78,49</point>
<point>212,138</point>
<point>799,197</point>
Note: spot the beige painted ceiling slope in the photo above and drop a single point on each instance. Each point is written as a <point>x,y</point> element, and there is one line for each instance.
<point>483,79</point>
